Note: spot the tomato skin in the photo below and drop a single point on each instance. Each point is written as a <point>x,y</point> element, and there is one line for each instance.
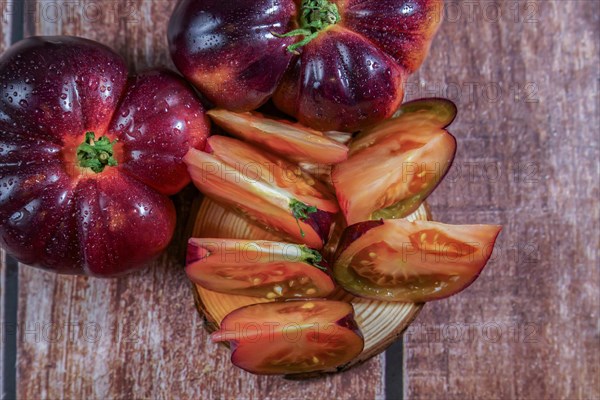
<point>353,232</point>
<point>175,122</point>
<point>227,48</point>
<point>291,337</point>
<point>59,216</point>
<point>419,261</point>
<point>402,29</point>
<point>367,92</point>
<point>222,48</point>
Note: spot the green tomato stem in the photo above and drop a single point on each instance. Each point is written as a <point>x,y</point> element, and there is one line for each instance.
<point>312,257</point>
<point>96,154</point>
<point>300,211</point>
<point>316,16</point>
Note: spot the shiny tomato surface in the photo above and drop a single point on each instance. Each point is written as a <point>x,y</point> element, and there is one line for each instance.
<point>65,104</point>
<point>350,74</point>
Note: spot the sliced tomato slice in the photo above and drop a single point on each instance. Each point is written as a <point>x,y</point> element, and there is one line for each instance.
<point>272,270</point>
<point>291,337</point>
<point>422,113</point>
<point>395,165</point>
<point>288,139</point>
<point>266,167</point>
<point>270,191</point>
<point>398,260</point>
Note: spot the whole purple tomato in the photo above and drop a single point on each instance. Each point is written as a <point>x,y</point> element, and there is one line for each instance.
<point>88,156</point>
<point>338,64</point>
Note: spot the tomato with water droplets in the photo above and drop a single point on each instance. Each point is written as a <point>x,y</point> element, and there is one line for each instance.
<point>331,64</point>
<point>89,156</point>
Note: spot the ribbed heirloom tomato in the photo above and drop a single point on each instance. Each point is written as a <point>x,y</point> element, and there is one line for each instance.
<point>334,65</point>
<point>89,156</point>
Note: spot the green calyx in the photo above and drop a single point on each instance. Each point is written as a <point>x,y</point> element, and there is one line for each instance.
<point>312,257</point>
<point>316,16</point>
<point>301,211</point>
<point>96,154</point>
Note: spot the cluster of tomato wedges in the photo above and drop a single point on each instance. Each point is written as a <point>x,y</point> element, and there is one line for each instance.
<point>338,202</point>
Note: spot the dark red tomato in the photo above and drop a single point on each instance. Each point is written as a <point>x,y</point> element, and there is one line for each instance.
<point>267,189</point>
<point>398,260</point>
<point>272,270</point>
<point>334,65</point>
<point>290,140</point>
<point>393,166</point>
<point>89,156</point>
<point>291,337</point>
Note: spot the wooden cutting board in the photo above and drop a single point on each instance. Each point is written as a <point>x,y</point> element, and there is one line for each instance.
<point>381,323</point>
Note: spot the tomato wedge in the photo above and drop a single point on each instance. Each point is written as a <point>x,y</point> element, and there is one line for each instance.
<point>291,337</point>
<point>394,166</point>
<point>268,190</point>
<point>290,140</point>
<point>272,270</point>
<point>398,260</point>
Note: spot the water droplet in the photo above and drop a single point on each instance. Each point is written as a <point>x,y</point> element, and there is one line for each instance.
<point>16,217</point>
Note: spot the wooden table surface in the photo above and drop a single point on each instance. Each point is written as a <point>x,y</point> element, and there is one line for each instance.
<point>525,76</point>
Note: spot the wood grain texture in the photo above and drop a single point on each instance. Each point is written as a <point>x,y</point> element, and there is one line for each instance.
<point>381,323</point>
<point>5,37</point>
<point>138,337</point>
<point>526,85</point>
<point>525,76</point>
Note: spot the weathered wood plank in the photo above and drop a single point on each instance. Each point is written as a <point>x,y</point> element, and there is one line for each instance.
<point>6,13</point>
<point>140,336</point>
<point>526,83</point>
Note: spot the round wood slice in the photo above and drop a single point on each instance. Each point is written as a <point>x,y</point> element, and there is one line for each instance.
<point>381,323</point>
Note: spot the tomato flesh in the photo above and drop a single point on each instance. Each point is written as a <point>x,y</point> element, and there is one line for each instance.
<point>398,260</point>
<point>266,189</point>
<point>272,270</point>
<point>291,337</point>
<point>394,166</point>
<point>290,140</point>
